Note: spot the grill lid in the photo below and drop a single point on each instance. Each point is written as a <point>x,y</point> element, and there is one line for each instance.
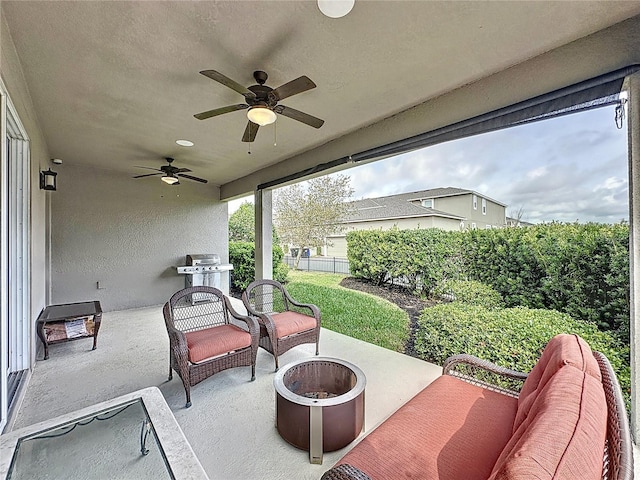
<point>203,259</point>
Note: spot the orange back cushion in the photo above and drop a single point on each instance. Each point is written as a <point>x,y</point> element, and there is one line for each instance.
<point>561,350</point>
<point>563,436</point>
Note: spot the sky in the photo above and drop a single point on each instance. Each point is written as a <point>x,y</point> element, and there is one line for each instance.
<point>571,168</point>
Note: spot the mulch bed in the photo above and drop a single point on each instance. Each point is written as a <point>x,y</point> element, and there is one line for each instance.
<point>409,303</point>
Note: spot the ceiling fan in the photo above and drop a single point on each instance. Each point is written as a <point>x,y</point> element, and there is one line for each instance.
<point>170,173</point>
<point>262,102</point>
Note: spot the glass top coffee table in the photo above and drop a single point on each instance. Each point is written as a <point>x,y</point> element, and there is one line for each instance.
<point>132,436</point>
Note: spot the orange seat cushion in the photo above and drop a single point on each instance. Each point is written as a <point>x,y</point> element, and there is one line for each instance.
<point>211,342</point>
<point>561,350</point>
<point>563,436</point>
<point>452,430</point>
<point>288,323</point>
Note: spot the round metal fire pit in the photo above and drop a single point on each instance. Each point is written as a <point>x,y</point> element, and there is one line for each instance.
<point>319,404</point>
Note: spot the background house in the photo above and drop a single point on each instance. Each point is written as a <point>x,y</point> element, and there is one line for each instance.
<point>447,208</point>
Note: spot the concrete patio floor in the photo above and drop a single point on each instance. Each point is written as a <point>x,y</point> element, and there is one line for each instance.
<point>231,423</point>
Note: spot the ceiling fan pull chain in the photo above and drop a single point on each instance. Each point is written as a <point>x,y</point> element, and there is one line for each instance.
<point>249,152</point>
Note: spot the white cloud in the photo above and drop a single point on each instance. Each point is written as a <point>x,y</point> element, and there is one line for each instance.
<point>573,168</point>
<point>611,183</point>
<point>537,172</point>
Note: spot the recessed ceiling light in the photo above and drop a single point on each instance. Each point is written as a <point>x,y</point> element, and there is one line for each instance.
<point>335,8</point>
<point>185,143</point>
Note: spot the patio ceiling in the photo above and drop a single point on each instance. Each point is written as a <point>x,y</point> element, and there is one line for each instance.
<point>114,84</point>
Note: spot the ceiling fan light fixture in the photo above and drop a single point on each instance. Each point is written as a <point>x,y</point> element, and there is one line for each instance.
<point>335,8</point>
<point>261,115</point>
<point>170,179</point>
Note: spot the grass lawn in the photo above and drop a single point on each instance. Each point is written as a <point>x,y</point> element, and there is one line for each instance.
<point>352,313</point>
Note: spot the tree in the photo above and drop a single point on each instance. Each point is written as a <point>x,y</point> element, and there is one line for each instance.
<point>306,214</point>
<point>242,224</point>
<point>516,216</point>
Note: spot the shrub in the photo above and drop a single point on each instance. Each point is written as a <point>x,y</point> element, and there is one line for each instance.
<point>416,259</point>
<point>579,269</point>
<point>511,337</point>
<point>280,269</point>
<point>471,292</point>
<point>242,256</point>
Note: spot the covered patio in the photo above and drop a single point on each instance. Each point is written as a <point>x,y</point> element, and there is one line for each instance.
<point>230,425</point>
<point>108,89</point>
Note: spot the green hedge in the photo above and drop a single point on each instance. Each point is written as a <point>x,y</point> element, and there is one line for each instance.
<point>579,269</point>
<point>511,337</point>
<point>422,259</point>
<point>242,257</point>
<point>582,270</point>
<point>471,292</point>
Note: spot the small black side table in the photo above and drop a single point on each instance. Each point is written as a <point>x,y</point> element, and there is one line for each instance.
<point>68,312</point>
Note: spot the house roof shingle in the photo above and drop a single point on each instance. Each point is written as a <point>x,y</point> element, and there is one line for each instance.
<point>400,206</point>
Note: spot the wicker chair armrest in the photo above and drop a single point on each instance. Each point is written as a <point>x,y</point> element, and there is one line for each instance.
<point>451,362</point>
<point>264,318</point>
<point>484,373</point>
<point>315,311</point>
<point>618,457</point>
<point>178,342</point>
<point>345,472</point>
<point>250,310</point>
<point>252,324</point>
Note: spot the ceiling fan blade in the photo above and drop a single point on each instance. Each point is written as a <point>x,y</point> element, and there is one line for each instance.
<point>220,111</point>
<point>227,82</point>
<point>180,170</point>
<point>202,180</point>
<point>148,168</point>
<point>299,85</point>
<point>250,132</point>
<point>148,175</point>
<point>299,116</point>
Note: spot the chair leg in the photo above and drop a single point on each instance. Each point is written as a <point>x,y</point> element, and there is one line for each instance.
<point>276,359</point>
<point>253,372</point>
<point>187,390</point>
<point>318,347</point>
<point>170,371</point>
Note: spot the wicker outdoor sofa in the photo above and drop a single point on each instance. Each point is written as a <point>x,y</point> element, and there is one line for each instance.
<point>481,421</point>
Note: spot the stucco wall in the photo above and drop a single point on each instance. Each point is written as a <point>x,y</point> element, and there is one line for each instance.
<point>463,205</point>
<point>129,234</point>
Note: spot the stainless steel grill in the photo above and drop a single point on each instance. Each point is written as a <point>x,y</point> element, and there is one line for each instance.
<point>205,269</point>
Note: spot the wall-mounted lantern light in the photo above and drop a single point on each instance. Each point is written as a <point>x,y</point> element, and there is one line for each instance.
<point>48,180</point>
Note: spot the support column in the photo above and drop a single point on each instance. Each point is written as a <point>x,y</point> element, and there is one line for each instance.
<point>264,234</point>
<point>633,89</point>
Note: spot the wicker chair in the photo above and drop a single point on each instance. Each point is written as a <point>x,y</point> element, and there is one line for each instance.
<point>284,323</point>
<point>206,336</point>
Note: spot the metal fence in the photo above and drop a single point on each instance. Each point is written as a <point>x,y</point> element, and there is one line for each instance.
<point>320,264</point>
